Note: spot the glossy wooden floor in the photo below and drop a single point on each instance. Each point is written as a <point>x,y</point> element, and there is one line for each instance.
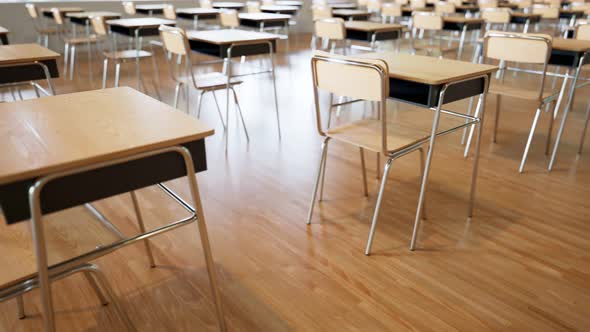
<point>522,263</point>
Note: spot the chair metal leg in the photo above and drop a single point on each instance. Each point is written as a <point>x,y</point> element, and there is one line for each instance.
<point>583,137</point>
<point>156,69</point>
<point>20,304</point>
<point>323,178</point>
<point>472,129</point>
<point>176,95</point>
<point>480,105</point>
<point>219,111</point>
<point>103,300</point>
<point>274,87</point>
<point>117,73</point>
<point>36,89</point>
<point>529,140</point>
<point>199,104</point>
<point>422,168</point>
<point>148,248</point>
<point>105,68</point>
<point>66,57</point>
<point>378,170</point>
<point>469,110</point>
<point>496,117</point>
<point>188,99</point>
<point>364,172</point>
<point>378,206</point>
<point>550,129</point>
<point>240,113</point>
<point>72,61</point>
<point>317,181</point>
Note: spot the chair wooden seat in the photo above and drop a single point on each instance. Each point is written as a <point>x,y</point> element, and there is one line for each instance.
<point>213,81</point>
<point>127,54</point>
<point>81,40</point>
<point>46,30</point>
<point>519,92</point>
<point>409,127</point>
<point>435,47</point>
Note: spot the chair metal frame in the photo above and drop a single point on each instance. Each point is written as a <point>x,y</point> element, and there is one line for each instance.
<point>43,31</point>
<point>391,155</point>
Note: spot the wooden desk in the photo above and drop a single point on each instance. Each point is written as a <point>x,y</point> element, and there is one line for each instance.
<point>524,18</point>
<point>197,13</point>
<point>68,150</point>
<point>21,63</point>
<point>571,14</point>
<point>135,27</point>
<point>150,9</point>
<point>467,8</point>
<point>343,5</point>
<point>372,32</point>
<point>463,24</point>
<point>4,35</point>
<point>407,10</point>
<point>228,43</point>
<point>228,5</point>
<point>83,18</point>
<point>351,14</point>
<point>295,3</point>
<point>63,10</point>
<point>419,79</point>
<point>277,9</point>
<point>265,20</point>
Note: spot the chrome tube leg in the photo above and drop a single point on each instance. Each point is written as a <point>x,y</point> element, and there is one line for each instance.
<point>496,117</point>
<point>480,109</point>
<point>188,98</point>
<point>72,61</point>
<point>471,129</point>
<point>422,168</point>
<point>105,67</point>
<point>240,113</point>
<point>199,105</point>
<point>561,93</point>
<point>219,111</point>
<point>66,57</point>
<point>148,248</point>
<point>176,95</point>
<point>103,300</point>
<point>117,73</point>
<point>550,128</point>
<point>36,89</point>
<point>317,181</point>
<point>104,284</point>
<point>378,170</point>
<point>469,109</point>
<point>364,172</point>
<point>274,86</point>
<point>323,178</point>
<point>461,42</point>
<point>206,246</point>
<point>156,75</point>
<point>378,206</point>
<point>583,137</point>
<point>20,304</point>
<point>529,140</point>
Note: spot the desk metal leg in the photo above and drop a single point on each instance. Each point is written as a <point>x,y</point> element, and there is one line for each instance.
<point>480,110</point>
<point>139,217</point>
<point>274,86</point>
<point>565,113</point>
<point>462,41</point>
<point>317,181</point>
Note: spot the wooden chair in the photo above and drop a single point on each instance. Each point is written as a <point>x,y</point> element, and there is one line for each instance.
<point>229,19</point>
<point>169,12</point>
<point>253,7</point>
<point>485,4</point>
<point>583,33</point>
<point>365,79</point>
<point>522,48</point>
<point>129,8</point>
<point>43,31</point>
<point>431,23</point>
<point>319,12</point>
<point>495,17</point>
<point>331,31</point>
<point>549,16</point>
<point>390,12</point>
<point>444,8</point>
<point>120,57</point>
<point>206,4</point>
<point>70,43</point>
<point>176,43</point>
<point>417,4</point>
<point>374,6</point>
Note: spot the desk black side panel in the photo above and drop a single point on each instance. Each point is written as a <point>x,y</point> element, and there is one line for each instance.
<point>98,184</point>
<point>428,95</point>
<point>220,51</point>
<point>25,73</point>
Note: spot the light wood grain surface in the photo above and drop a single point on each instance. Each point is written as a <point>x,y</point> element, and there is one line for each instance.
<point>429,70</point>
<point>141,22</point>
<point>350,12</point>
<point>228,36</point>
<point>278,8</point>
<point>56,133</point>
<point>197,10</point>
<point>462,19</point>
<point>371,26</point>
<point>263,16</point>
<point>25,53</point>
<point>574,45</point>
<point>63,9</point>
<point>90,14</point>
<point>228,5</point>
<point>151,6</point>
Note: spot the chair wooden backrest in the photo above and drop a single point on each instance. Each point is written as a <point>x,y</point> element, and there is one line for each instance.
<point>525,48</point>
<point>546,11</point>
<point>362,3</point>
<point>253,7</point>
<point>129,8</point>
<point>205,4</point>
<point>391,10</point>
<point>268,2</point>
<point>427,21</point>
<point>417,4</point>
<point>484,4</point>
<point>402,2</point>
<point>174,40</point>
<point>358,78</point>
<point>331,28</point>
<point>57,18</point>
<point>583,31</point>
<point>229,19</point>
<point>320,12</point>
<point>98,25</point>
<point>524,4</point>
<point>374,6</point>
<point>444,8</point>
<point>554,3</point>
<point>169,12</point>
<point>32,10</point>
<point>581,6</point>
<point>496,15</point>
